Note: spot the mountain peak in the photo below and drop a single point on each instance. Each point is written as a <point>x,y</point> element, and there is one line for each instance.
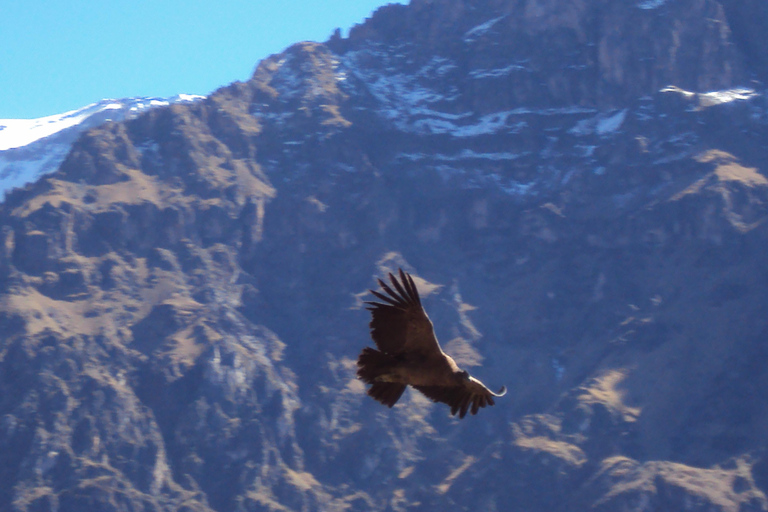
<point>31,148</point>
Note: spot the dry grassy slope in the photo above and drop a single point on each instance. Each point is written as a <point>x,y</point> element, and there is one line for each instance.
<point>121,275</point>
<point>180,306</point>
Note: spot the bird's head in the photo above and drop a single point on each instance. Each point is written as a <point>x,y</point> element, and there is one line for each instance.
<point>464,375</point>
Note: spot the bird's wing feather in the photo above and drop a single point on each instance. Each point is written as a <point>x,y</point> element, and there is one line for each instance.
<point>457,397</point>
<point>470,396</point>
<point>399,322</point>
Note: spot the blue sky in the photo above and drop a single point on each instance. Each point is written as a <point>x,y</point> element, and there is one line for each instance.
<point>59,55</point>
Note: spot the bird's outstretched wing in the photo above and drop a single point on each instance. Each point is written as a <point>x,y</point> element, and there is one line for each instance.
<point>470,396</point>
<point>399,322</point>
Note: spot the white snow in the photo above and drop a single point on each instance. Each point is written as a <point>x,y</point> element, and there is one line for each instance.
<point>403,96</point>
<point>27,152</point>
<point>496,72</point>
<point>601,124</point>
<point>651,4</point>
<point>139,104</point>
<point>481,29</point>
<point>712,98</point>
<point>464,154</point>
<point>681,92</point>
<point>436,67</point>
<point>498,121</point>
<point>15,133</point>
<point>424,100</point>
<point>459,125</point>
<point>709,99</point>
<point>15,174</point>
<point>185,98</point>
<point>611,124</point>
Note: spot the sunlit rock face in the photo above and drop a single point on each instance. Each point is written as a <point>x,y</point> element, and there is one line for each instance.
<point>579,189</point>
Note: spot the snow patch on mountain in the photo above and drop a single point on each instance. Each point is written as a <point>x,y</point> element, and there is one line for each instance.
<point>465,154</point>
<point>405,98</point>
<point>439,123</point>
<point>424,101</point>
<point>602,124</point>
<point>15,133</point>
<point>481,29</point>
<point>651,4</point>
<point>612,123</point>
<point>713,98</point>
<point>497,72</point>
<point>17,173</point>
<point>30,148</point>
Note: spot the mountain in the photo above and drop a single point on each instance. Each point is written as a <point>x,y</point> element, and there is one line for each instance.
<point>30,148</point>
<point>579,188</point>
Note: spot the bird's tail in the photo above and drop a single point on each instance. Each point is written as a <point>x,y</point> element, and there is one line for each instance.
<point>372,364</point>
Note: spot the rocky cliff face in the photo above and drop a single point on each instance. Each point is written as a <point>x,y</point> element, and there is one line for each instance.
<point>31,148</point>
<point>580,188</point>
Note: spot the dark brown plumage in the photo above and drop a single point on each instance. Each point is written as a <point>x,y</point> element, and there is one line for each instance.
<point>409,354</point>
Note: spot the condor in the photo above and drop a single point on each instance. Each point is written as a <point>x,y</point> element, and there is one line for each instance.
<point>409,354</point>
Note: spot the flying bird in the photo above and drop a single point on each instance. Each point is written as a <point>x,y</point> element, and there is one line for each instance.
<point>409,354</point>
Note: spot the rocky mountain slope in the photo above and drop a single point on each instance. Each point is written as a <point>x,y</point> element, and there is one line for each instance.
<point>580,188</point>
<point>31,148</point>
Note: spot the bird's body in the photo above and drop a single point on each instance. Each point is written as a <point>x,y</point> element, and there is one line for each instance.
<point>421,370</point>
<point>409,354</point>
